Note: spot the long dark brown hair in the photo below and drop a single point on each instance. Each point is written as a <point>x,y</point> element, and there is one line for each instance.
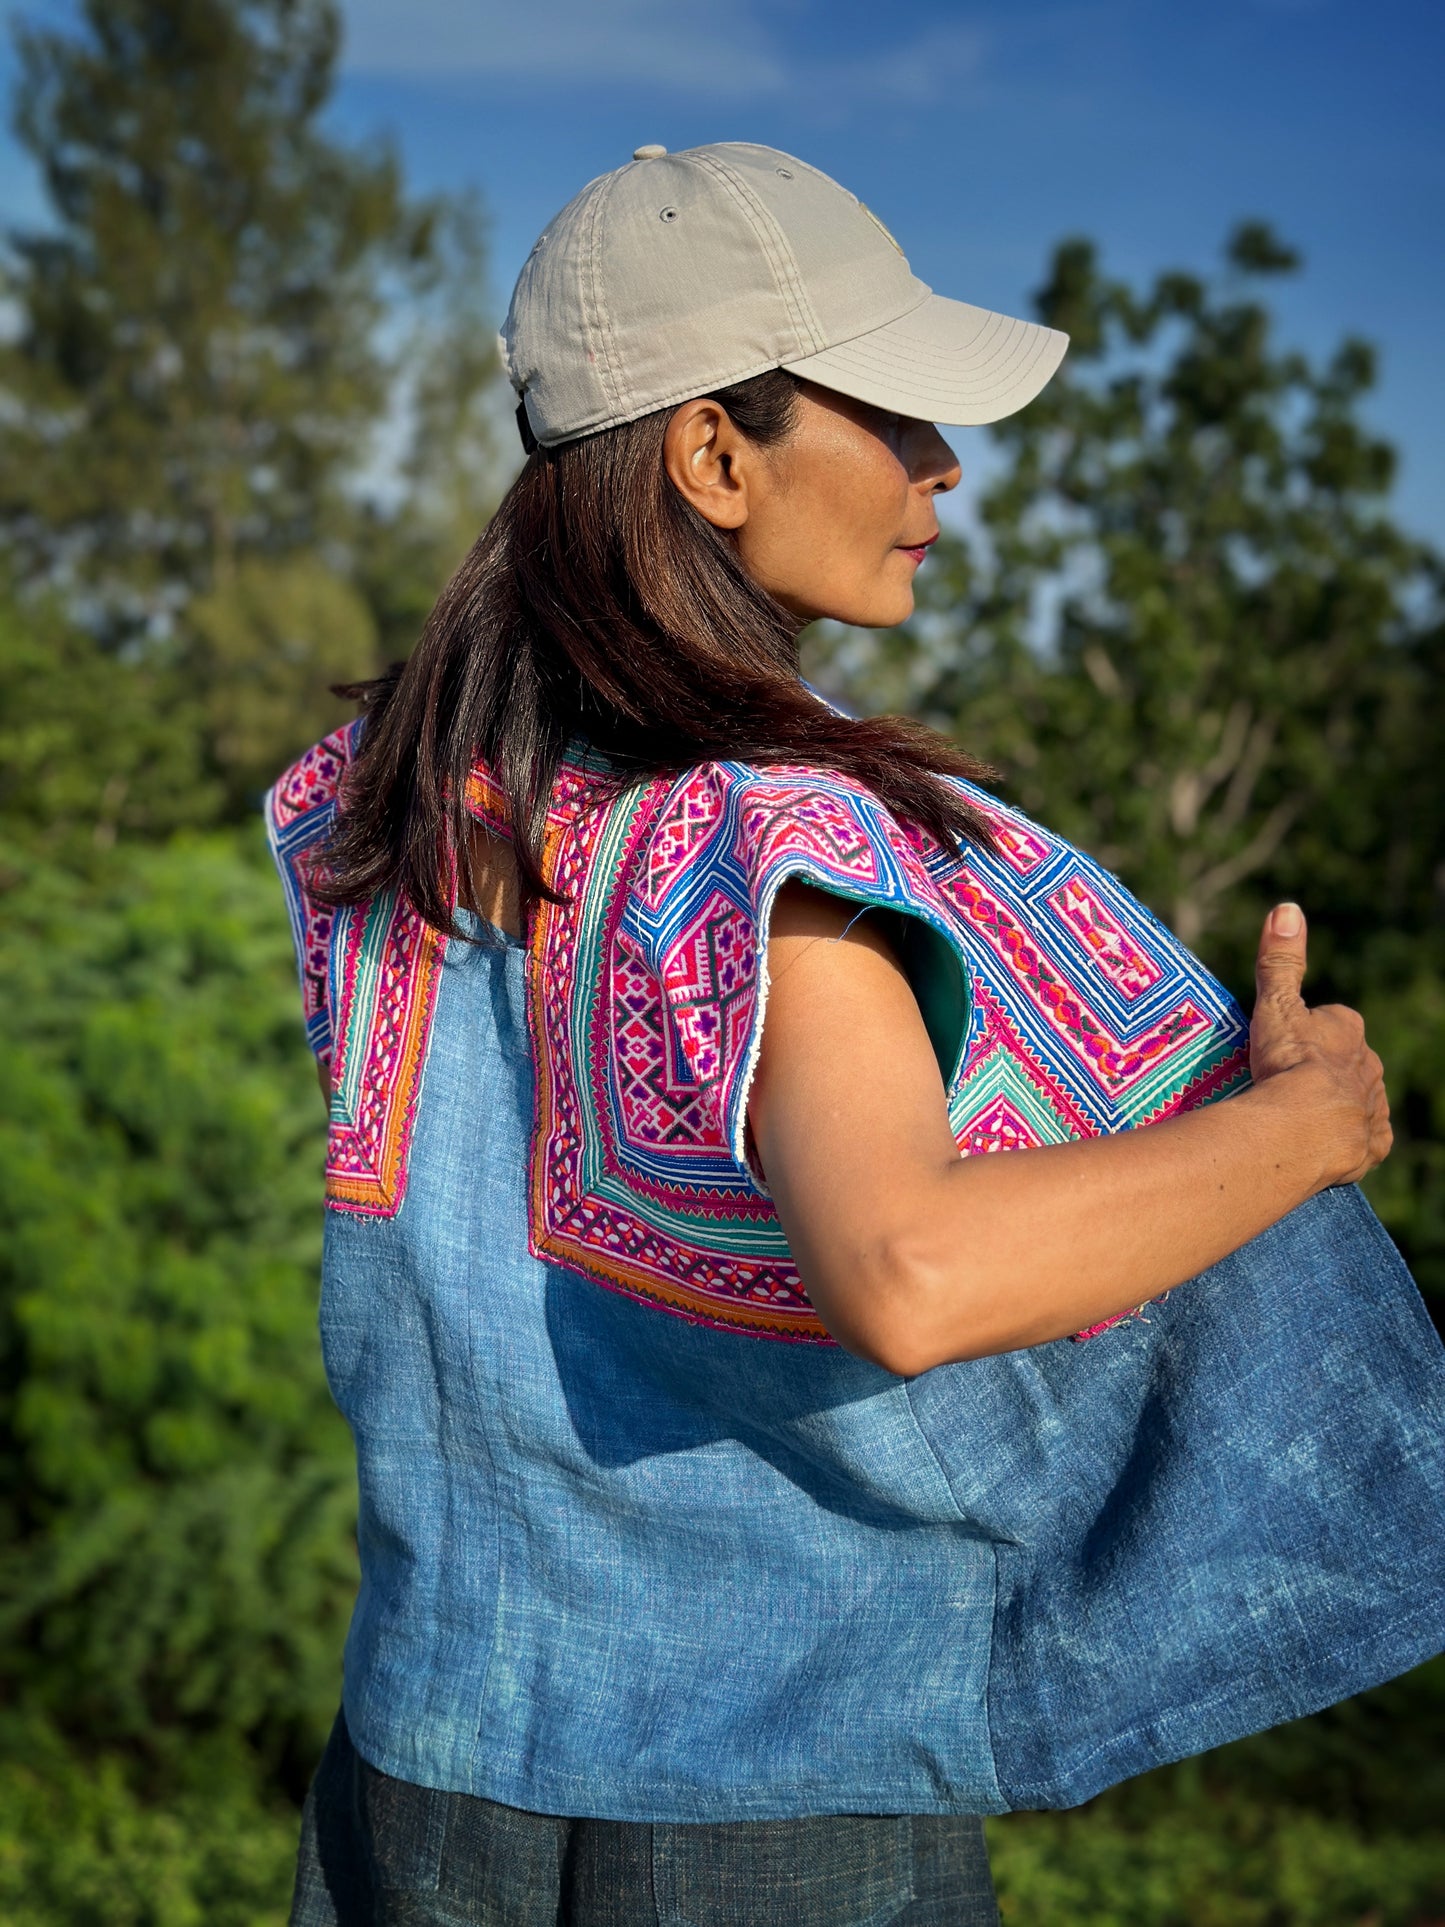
<point>598,606</point>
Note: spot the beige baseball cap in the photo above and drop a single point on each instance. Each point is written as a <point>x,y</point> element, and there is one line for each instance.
<point>681,273</point>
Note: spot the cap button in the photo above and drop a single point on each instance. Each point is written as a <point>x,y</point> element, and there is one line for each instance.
<point>652,152</point>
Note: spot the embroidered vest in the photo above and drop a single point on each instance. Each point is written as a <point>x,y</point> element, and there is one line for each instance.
<point>1058,1006</point>
<point>620,1563</point>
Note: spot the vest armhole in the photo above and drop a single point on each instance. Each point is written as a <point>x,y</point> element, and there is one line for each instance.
<point>938,980</point>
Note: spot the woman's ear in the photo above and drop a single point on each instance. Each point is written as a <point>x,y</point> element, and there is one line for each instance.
<point>708,462</point>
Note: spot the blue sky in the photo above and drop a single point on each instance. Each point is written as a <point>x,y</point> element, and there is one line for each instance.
<point>980,134</point>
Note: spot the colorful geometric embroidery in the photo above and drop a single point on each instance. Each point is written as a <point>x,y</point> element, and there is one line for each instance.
<point>298,815</point>
<point>647,1014</point>
<point>312,783</point>
<point>1005,1097</point>
<point>389,962</point>
<point>1123,961</point>
<point>368,979</point>
<point>632,1179</point>
<point>1082,1015</point>
<point>1020,847</point>
<point>999,1127</point>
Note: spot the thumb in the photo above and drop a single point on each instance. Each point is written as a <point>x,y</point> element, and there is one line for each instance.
<point>1280,966</point>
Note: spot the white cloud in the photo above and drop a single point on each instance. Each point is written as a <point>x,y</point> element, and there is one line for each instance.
<point>925,68</point>
<point>674,43</point>
<point>688,45</point>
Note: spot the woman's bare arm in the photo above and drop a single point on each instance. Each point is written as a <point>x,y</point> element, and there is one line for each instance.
<point>914,1256</point>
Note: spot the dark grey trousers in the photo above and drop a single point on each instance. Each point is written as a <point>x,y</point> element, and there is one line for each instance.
<point>378,1852</point>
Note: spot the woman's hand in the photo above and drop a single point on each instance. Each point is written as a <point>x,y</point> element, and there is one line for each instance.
<point>1320,1058</point>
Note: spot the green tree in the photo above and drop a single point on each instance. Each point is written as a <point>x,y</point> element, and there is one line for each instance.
<point>227,313</point>
<point>198,365</point>
<point>92,748</point>
<point>176,1490</point>
<point>458,446</point>
<point>176,1561</point>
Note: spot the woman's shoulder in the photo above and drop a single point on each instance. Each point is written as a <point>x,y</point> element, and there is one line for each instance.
<point>761,821</point>
<point>298,809</point>
<point>312,782</point>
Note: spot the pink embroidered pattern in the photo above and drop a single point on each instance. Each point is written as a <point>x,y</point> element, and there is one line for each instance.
<point>710,983</point>
<point>625,1206</point>
<point>1022,848</point>
<point>368,979</point>
<point>390,962</point>
<point>646,1002</point>
<point>640,1172</point>
<point>1120,959</point>
<point>1007,1097</point>
<point>314,780</point>
<point>1059,1002</point>
<point>684,828</point>
<point>298,816</point>
<point>314,958</point>
<point>997,1127</point>
<point>658,1097</point>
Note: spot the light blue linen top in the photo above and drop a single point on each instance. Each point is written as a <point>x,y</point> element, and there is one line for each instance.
<point>620,1565</point>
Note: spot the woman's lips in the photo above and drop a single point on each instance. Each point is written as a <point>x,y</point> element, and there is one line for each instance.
<point>919,549</point>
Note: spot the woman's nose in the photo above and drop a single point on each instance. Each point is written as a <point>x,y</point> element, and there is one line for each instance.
<point>935,466</point>
<point>950,473</point>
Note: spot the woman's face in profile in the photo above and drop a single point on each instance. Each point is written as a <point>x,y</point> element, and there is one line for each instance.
<point>833,521</point>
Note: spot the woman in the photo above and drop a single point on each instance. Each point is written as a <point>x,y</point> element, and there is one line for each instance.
<point>733,1531</point>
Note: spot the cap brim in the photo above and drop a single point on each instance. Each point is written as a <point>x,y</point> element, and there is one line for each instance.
<point>943,361</point>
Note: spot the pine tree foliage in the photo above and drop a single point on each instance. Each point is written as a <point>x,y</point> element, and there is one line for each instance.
<point>252,410</point>
<point>92,749</point>
<point>198,363</point>
<point>178,1488</point>
<point>459,446</point>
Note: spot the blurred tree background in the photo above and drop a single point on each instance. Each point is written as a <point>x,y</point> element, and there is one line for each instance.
<point>250,417</point>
